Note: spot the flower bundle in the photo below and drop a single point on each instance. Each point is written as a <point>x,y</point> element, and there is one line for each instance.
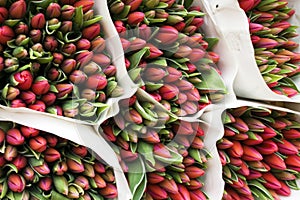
<point>271,35</point>
<point>172,150</point>
<point>38,165</point>
<point>53,58</point>
<point>259,153</point>
<point>167,55</point>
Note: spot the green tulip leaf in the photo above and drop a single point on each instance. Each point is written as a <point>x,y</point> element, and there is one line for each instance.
<point>268,69</point>
<point>211,81</point>
<point>11,22</point>
<point>159,62</point>
<point>153,86</point>
<point>55,195</point>
<point>289,83</point>
<point>176,157</point>
<point>4,190</point>
<point>36,162</point>
<point>195,13</point>
<point>124,13</point>
<point>37,193</point>
<point>95,196</point>
<point>187,3</point>
<point>195,153</point>
<point>146,150</point>
<point>137,178</point>
<point>78,18</point>
<point>175,64</point>
<point>72,37</point>
<point>136,57</point>
<point>212,42</point>
<point>161,5</point>
<point>92,21</point>
<point>133,147</point>
<point>261,189</point>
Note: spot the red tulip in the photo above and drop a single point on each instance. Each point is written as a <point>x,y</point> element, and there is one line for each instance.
<point>91,32</point>
<point>16,183</point>
<point>17,10</point>
<point>38,143</point>
<point>38,21</point>
<point>14,137</point>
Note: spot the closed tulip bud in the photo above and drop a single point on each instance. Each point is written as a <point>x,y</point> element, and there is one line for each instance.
<point>224,143</point>
<point>6,34</point>
<point>68,65</point>
<point>51,155</point>
<point>67,12</point>
<point>96,81</point>
<point>29,131</point>
<point>38,106</point>
<point>255,27</point>
<point>38,21</point>
<point>184,85</point>
<point>293,161</point>
<point>267,147</point>
<point>3,14</point>
<point>82,182</point>
<point>86,5</point>
<point>244,169</point>
<point>53,10</point>
<point>108,176</point>
<point>254,123</point>
<point>10,153</point>
<point>284,189</point>
<point>254,174</point>
<point>236,150</point>
<point>251,154</point>
<point>98,45</point>
<point>19,162</point>
<point>53,74</point>
<point>77,77</point>
<point>20,52</point>
<point>189,108</point>
<point>66,26</point>
<point>14,137</point>
<point>110,70</point>
<point>194,172</point>
<point>252,142</point>
<point>181,99</point>
<point>117,7</point>
<point>17,103</point>
<point>23,79</point>
<point>154,52</point>
<point>168,91</point>
<point>183,51</point>
<point>240,125</point>
<point>274,161</point>
<point>286,148</point>
<point>128,155</point>
<point>193,95</point>
<point>156,192</point>
<point>50,43</point>
<point>266,43</point>
<point>133,116</point>
<point>17,10</point>
<point>38,144</point>
<point>45,183</point>
<point>42,169</point>
<point>83,44</point>
<point>16,183</point>
<point>99,181</point>
<point>135,18</point>
<point>35,35</point>
<point>172,75</point>
<point>80,151</point>
<point>167,35</point>
<point>91,32</point>
<point>285,176</point>
<point>12,93</point>
<point>110,191</point>
<point>144,32</point>
<point>99,167</point>
<point>74,166</point>
<point>151,136</point>
<point>169,185</point>
<point>69,49</point>
<point>28,174</point>
<point>101,60</point>
<point>154,74</point>
<point>40,86</point>
<point>154,178</point>
<point>268,133</point>
<point>197,143</point>
<point>291,134</point>
<point>246,5</point>
<point>64,89</point>
<point>84,58</point>
<point>161,150</point>
<point>59,168</point>
<point>49,98</point>
<point>197,195</point>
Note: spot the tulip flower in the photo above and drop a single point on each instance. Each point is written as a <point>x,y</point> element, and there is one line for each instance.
<point>16,183</point>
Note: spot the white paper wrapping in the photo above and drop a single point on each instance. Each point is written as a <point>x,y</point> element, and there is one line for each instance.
<point>232,22</point>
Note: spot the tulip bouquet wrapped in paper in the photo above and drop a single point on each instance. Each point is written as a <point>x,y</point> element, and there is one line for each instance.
<point>162,155</point>
<point>54,59</point>
<point>167,56</point>
<point>259,151</point>
<point>38,165</point>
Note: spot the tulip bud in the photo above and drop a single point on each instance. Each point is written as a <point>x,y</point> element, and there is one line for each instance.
<point>38,143</point>
<point>11,93</point>
<point>20,162</point>
<point>50,43</point>
<point>82,182</point>
<point>63,89</point>
<point>38,21</point>
<point>53,10</point>
<point>40,86</point>
<point>6,34</point>
<point>3,14</point>
<point>84,58</point>
<point>14,137</point>
<point>236,150</point>
<point>91,32</point>
<point>51,155</point>
<point>16,183</point>
<point>284,189</point>
<point>194,172</point>
<point>156,192</point>
<point>17,10</point>
<point>67,12</point>
<point>161,150</point>
<point>17,103</point>
<point>45,183</point>
<point>74,166</point>
<point>38,106</point>
<point>267,147</point>
<point>168,91</point>
<point>135,18</point>
<point>293,161</point>
<point>128,155</point>
<point>28,174</point>
<point>83,44</point>
<point>275,162</point>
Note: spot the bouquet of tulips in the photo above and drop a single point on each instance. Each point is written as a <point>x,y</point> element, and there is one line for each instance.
<point>38,165</point>
<point>271,35</point>
<point>166,54</point>
<point>259,153</point>
<point>172,150</point>
<point>53,58</point>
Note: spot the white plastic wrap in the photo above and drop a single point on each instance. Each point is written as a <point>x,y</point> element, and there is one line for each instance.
<point>232,22</point>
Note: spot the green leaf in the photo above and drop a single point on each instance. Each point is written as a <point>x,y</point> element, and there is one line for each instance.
<point>55,195</point>
<point>36,162</point>
<point>78,18</point>
<point>211,81</point>
<point>258,195</point>
<point>36,193</point>
<point>4,190</point>
<point>176,64</point>
<point>146,150</point>
<point>137,178</point>
<point>195,13</point>
<point>135,59</point>
<point>289,82</point>
<point>153,86</point>
<point>124,13</point>
<point>261,188</point>
<point>95,196</point>
<point>176,157</point>
<point>211,43</point>
<point>92,21</point>
<point>12,168</point>
<point>292,184</point>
